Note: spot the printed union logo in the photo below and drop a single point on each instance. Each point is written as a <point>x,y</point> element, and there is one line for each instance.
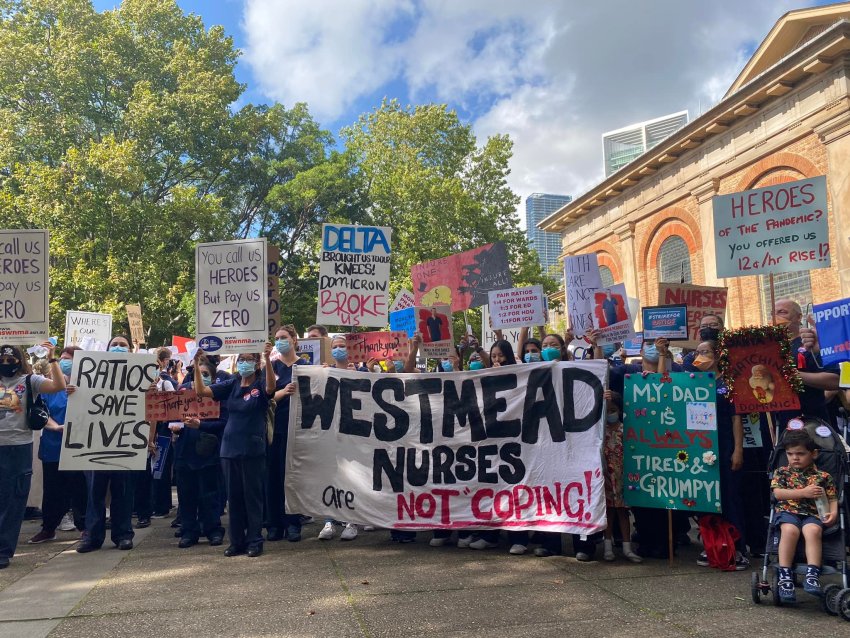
<point>210,344</point>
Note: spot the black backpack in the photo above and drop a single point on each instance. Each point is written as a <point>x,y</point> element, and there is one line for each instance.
<point>37,412</point>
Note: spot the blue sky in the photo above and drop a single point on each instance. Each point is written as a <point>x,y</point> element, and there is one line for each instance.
<point>554,74</point>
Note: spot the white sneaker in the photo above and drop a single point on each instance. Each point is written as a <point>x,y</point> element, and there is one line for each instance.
<point>67,523</point>
<point>582,557</point>
<point>440,542</point>
<point>349,533</point>
<point>608,554</point>
<point>464,542</point>
<point>328,531</point>
<point>517,549</point>
<point>368,528</point>
<point>482,544</point>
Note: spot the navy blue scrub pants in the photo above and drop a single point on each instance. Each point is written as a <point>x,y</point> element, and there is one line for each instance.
<point>121,487</point>
<point>245,478</point>
<point>15,478</point>
<point>197,493</point>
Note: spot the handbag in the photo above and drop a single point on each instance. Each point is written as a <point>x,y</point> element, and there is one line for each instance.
<point>37,412</point>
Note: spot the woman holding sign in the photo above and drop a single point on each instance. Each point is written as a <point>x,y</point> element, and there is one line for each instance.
<point>17,386</point>
<point>243,445</point>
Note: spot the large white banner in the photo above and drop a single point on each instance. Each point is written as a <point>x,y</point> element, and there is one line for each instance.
<point>516,447</point>
<point>232,305</point>
<point>23,286</point>
<point>354,276</point>
<point>105,426</point>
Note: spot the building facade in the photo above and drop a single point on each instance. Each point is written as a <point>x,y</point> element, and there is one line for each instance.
<point>786,117</point>
<point>538,206</point>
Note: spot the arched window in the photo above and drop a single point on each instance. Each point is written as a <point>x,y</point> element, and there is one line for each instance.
<point>674,261</point>
<point>606,276</point>
<point>786,285</point>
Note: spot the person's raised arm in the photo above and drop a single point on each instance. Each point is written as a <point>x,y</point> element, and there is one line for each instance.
<point>410,364</point>
<point>271,379</point>
<point>56,381</point>
<point>200,389</point>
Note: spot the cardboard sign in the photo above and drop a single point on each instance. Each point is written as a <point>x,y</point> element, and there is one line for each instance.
<point>404,299</point>
<point>671,458</point>
<point>105,424</point>
<point>511,335</point>
<point>464,279</point>
<point>833,325</point>
<point>612,315</point>
<point>781,228</point>
<point>700,301</point>
<point>756,367</point>
<point>665,322</point>
<point>134,318</point>
<point>232,305</point>
<point>581,281</point>
<point>314,351</point>
<point>398,461</point>
<point>435,325</point>
<point>94,326</point>
<point>176,406</point>
<point>362,346</point>
<point>354,275</point>
<point>273,283</point>
<point>517,307</point>
<point>24,286</point>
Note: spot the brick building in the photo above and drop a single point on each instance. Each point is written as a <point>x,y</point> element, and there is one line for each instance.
<point>786,117</point>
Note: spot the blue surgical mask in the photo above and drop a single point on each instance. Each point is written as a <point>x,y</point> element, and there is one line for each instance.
<point>608,350</point>
<point>207,379</point>
<point>245,368</point>
<point>612,418</point>
<point>551,354</point>
<point>476,365</point>
<point>283,346</point>
<point>447,366</point>
<point>650,353</point>
<point>399,365</point>
<point>531,357</point>
<point>65,366</point>
<point>118,349</point>
<point>339,354</point>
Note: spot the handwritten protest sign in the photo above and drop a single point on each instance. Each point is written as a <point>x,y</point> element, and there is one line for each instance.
<point>462,280</point>
<point>700,301</point>
<point>781,228</point>
<point>105,425</point>
<point>404,320</point>
<point>435,324</point>
<point>273,283</point>
<point>354,275</point>
<point>404,299</point>
<point>516,447</point>
<point>232,305</point>
<point>511,335</point>
<point>665,322</point>
<point>517,307</point>
<point>581,277</point>
<point>24,286</point>
<point>612,315</point>
<point>833,324</point>
<point>312,351</point>
<point>362,346</point>
<point>671,458</point>
<point>137,327</point>
<point>176,406</point>
<point>94,326</point>
<point>758,369</point>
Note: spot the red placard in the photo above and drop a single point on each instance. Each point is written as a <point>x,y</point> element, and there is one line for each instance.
<point>362,346</point>
<point>758,374</point>
<point>176,406</point>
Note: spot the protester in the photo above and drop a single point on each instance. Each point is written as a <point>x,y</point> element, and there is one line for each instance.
<point>502,354</point>
<point>16,437</point>
<point>243,445</point>
<point>197,463</point>
<point>316,331</point>
<point>62,491</point>
<point>158,489</point>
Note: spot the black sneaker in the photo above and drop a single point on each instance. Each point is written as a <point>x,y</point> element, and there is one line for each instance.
<point>742,563</point>
<point>702,560</point>
<point>142,523</point>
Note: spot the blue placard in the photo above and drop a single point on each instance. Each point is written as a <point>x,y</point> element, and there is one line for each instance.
<point>665,322</point>
<point>404,321</point>
<point>633,346</point>
<point>158,460</point>
<point>833,325</point>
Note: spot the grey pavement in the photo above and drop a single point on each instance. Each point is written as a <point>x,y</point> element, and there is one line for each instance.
<point>371,587</point>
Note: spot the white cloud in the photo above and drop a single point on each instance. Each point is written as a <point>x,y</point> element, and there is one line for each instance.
<point>554,75</point>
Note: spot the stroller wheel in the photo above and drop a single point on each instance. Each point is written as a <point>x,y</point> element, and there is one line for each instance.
<point>829,599</point>
<point>842,604</point>
<point>755,588</point>
<point>777,601</point>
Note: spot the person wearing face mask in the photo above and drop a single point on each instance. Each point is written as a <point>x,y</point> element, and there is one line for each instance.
<point>730,439</point>
<point>121,486</point>
<point>279,524</point>
<point>66,490</point>
<point>16,438</point>
<point>339,354</point>
<point>196,463</point>
<point>243,445</point>
<point>532,351</point>
<point>158,490</point>
<point>709,330</point>
<point>502,354</point>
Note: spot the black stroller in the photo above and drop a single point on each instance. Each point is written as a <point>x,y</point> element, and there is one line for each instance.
<point>832,458</point>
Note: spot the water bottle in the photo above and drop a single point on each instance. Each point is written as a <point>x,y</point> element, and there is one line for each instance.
<point>822,503</point>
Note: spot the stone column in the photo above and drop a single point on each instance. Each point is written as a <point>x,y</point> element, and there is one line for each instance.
<point>626,232</point>
<point>835,134</point>
<point>704,195</point>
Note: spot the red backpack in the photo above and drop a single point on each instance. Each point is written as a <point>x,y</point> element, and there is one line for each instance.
<point>718,540</point>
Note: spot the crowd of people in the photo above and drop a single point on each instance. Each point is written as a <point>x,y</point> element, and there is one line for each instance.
<point>235,463</point>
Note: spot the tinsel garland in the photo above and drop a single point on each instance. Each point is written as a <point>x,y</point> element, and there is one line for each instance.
<point>754,336</point>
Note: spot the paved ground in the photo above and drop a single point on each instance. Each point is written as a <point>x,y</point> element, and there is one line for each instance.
<point>371,587</point>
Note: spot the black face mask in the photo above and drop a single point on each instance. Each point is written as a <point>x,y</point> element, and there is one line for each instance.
<point>9,369</point>
<point>709,334</point>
